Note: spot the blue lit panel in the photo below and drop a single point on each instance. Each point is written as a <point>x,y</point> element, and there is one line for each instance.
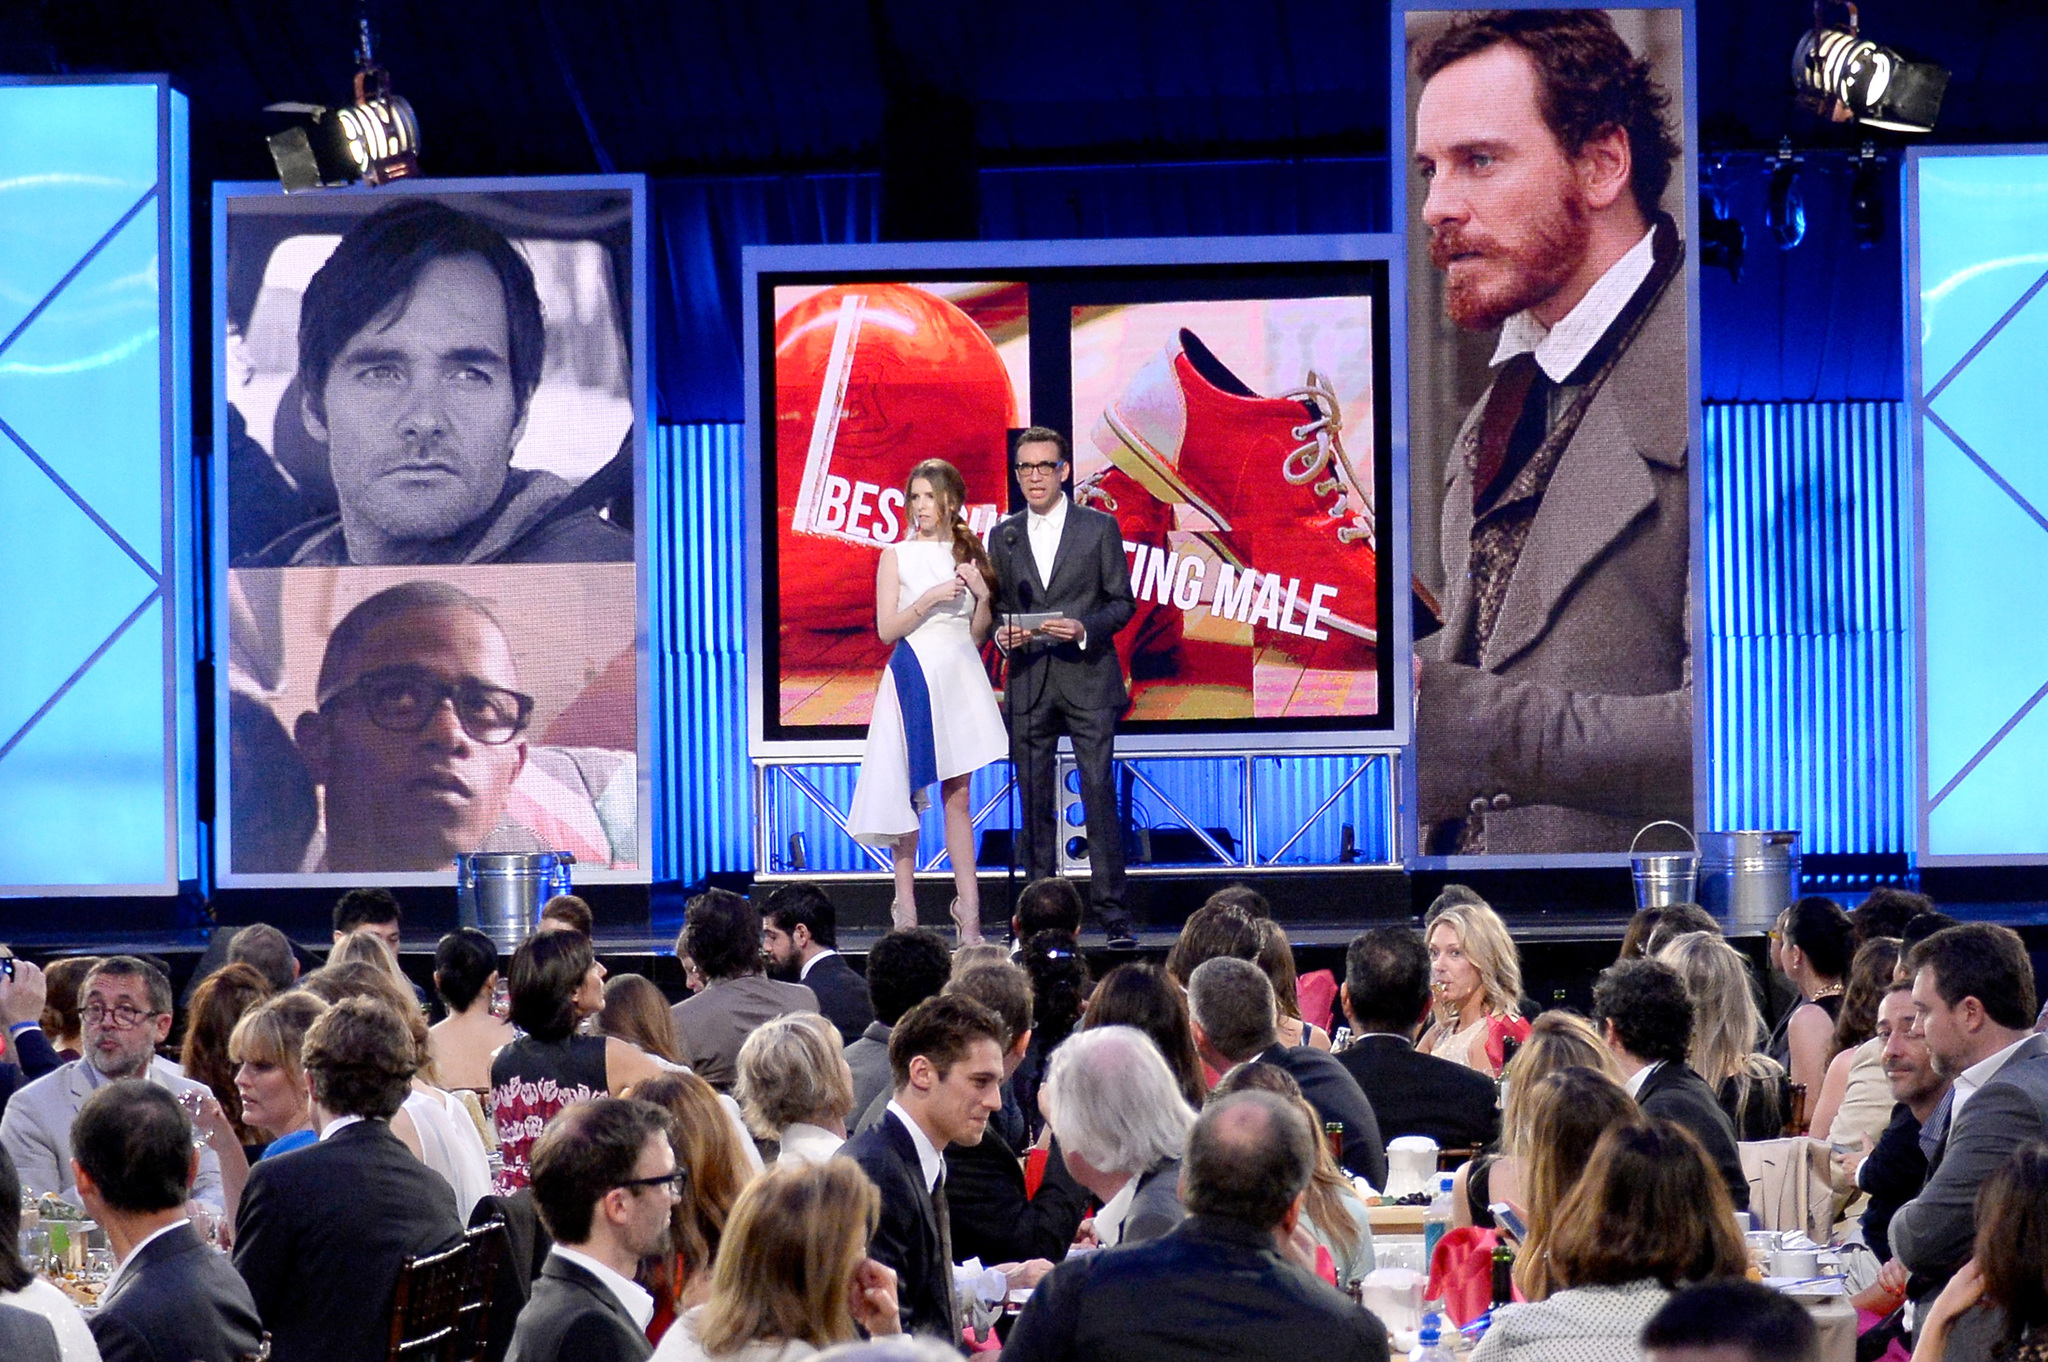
<point>93,531</point>
<point>1977,329</point>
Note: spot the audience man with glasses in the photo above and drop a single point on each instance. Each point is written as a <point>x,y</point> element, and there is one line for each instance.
<point>419,732</point>
<point>125,1014</point>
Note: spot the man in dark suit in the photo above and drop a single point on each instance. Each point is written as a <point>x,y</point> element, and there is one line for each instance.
<point>1646,1018</point>
<point>1065,677</point>
<point>1236,1020</point>
<point>1895,1168</point>
<point>1386,998</point>
<point>947,1057</point>
<point>1223,1283</point>
<point>800,935</point>
<point>170,1298</point>
<point>605,1180</point>
<point>323,1231</point>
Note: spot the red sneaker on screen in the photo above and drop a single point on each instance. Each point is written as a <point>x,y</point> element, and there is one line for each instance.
<point>1149,646</point>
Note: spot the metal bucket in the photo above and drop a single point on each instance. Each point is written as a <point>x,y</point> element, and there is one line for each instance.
<point>1663,878</point>
<point>500,892</point>
<point>1748,878</point>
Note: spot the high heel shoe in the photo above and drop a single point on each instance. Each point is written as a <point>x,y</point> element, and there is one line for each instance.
<point>968,929</point>
<point>902,916</point>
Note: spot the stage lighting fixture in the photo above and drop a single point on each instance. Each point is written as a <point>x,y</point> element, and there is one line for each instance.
<point>1866,198</point>
<point>1784,205</point>
<point>375,138</point>
<point>1723,240</point>
<point>1842,75</point>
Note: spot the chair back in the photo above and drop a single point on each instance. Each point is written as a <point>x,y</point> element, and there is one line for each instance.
<point>487,1247</point>
<point>441,1310</point>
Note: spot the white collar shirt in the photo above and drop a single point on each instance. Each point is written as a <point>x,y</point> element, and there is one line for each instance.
<point>1562,348</point>
<point>1977,1075</point>
<point>1045,531</point>
<point>338,1123</point>
<point>929,1160</point>
<point>639,1304</point>
<point>804,1143</point>
<point>1109,1221</point>
<point>805,972</point>
<point>121,1272</point>
<point>1640,1077</point>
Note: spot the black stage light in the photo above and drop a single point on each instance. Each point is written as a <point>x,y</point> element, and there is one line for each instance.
<point>1867,198</point>
<point>1843,75</point>
<point>1784,205</point>
<point>375,138</point>
<point>1723,240</point>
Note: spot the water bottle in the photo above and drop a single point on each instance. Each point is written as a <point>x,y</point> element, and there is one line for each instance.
<point>1429,1344</point>
<point>1437,1219</point>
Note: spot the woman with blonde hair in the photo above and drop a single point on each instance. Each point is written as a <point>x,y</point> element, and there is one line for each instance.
<point>1557,1040</point>
<point>366,948</point>
<point>1476,976</point>
<point>935,719</point>
<point>265,1047</point>
<point>1749,1083</point>
<point>795,1087</point>
<point>707,1144</point>
<point>794,1275</point>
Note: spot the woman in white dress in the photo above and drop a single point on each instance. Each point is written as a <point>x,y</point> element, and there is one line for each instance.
<point>935,717</point>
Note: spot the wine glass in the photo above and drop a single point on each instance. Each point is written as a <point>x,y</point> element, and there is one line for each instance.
<point>193,1100</point>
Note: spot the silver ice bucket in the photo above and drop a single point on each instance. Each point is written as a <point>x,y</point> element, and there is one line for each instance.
<point>1663,878</point>
<point>500,892</point>
<point>1750,877</point>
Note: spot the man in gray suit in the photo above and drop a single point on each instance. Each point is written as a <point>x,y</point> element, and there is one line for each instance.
<point>1064,678</point>
<point>1118,1115</point>
<point>1554,709</point>
<point>722,934</point>
<point>1973,1002</point>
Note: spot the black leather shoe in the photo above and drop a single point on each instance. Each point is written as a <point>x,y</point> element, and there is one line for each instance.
<point>1122,937</point>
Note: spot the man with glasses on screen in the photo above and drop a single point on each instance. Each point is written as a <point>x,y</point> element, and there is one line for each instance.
<point>421,343</point>
<point>419,732</point>
<point>1554,708</point>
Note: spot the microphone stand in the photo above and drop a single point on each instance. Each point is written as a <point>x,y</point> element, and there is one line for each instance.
<point>1010,715</point>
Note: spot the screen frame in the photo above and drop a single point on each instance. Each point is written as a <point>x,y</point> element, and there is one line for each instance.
<point>763,267</point>
<point>641,348</point>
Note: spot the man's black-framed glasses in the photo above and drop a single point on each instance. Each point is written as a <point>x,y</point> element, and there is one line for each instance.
<point>406,699</point>
<point>673,1182</point>
<point>1037,468</point>
<point>122,1016</point>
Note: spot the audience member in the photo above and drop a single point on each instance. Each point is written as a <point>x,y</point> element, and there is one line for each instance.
<point>635,1011</point>
<point>1680,920</point>
<point>365,947</point>
<point>126,1015</point>
<point>2004,1286</point>
<point>800,933</point>
<point>1725,1030</point>
<point>555,984</point>
<point>375,911</point>
<point>1973,1004</point>
<point>269,952</point>
<point>1557,1125</point>
<point>1059,990</point>
<point>1647,1217</point>
<point>1330,1206</point>
<point>1916,931</point>
<point>904,969</point>
<point>24,1004</point>
<point>1811,947</point>
<point>795,1087</point>
<point>1854,1103</point>
<point>1052,904</point>
<point>1885,911</point>
<point>1221,1284</point>
<point>65,982</point>
<point>324,1230</point>
<point>1635,938</point>
<point>604,1179</point>
<point>994,1216</point>
<point>1145,997</point>
<point>1385,998</point>
<point>975,955</point>
<point>795,1275</point>
<point>892,1348</point>
<point>270,1077</point>
<point>69,1339</point>
<point>1276,958</point>
<point>1242,897</point>
<point>1122,1126</point>
<point>715,1156</point>
<point>170,1296</point>
<point>566,911</point>
<point>1211,932</point>
<point>1476,975</point>
<point>219,1002</point>
<point>722,933</point>
<point>1731,1320</point>
<point>1557,1040</point>
<point>946,1056</point>
<point>1894,1169</point>
<point>1230,1006</point>
<point>462,1043</point>
<point>1647,1021</point>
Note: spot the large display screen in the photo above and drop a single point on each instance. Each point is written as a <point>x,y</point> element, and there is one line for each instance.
<point>430,407</point>
<point>1553,424</point>
<point>1232,418</point>
<point>1977,325</point>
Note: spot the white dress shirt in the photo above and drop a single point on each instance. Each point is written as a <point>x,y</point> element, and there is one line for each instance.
<point>121,1272</point>
<point>803,1143</point>
<point>1641,1076</point>
<point>1109,1221</point>
<point>1561,348</point>
<point>639,1304</point>
<point>1977,1075</point>
<point>338,1123</point>
<point>1045,531</point>
<point>929,1159</point>
<point>805,972</point>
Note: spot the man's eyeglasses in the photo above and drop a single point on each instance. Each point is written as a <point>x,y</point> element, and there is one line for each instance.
<point>1039,469</point>
<point>673,1182</point>
<point>123,1016</point>
<point>406,699</point>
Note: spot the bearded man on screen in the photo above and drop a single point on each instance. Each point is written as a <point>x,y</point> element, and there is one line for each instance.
<point>1554,709</point>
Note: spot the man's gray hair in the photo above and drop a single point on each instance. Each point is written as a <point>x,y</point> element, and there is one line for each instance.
<point>1113,1101</point>
<point>1232,1001</point>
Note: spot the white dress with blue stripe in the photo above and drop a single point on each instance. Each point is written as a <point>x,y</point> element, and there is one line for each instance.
<point>935,712</point>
